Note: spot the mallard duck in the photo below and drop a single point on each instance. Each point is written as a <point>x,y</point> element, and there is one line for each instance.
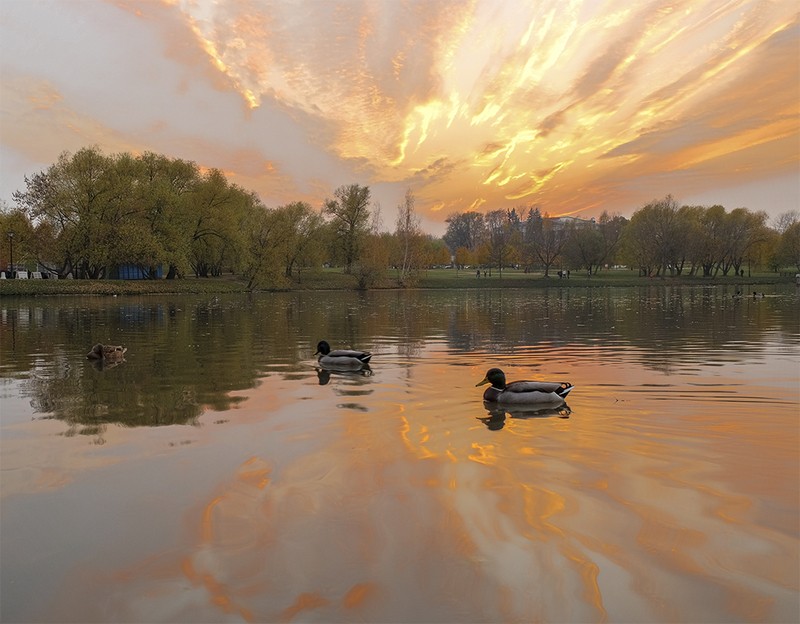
<point>522,392</point>
<point>106,352</point>
<point>345,359</point>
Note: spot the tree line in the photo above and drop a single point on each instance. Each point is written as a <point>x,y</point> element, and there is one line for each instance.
<point>661,238</point>
<point>90,213</point>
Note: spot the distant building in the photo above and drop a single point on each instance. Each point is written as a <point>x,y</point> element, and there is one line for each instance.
<point>564,222</point>
<point>134,272</point>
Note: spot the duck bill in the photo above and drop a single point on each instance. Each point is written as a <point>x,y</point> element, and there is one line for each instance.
<point>480,383</point>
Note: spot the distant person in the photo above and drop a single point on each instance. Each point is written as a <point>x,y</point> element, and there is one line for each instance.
<point>478,273</point>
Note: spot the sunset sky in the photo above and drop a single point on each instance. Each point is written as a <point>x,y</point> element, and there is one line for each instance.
<point>574,106</point>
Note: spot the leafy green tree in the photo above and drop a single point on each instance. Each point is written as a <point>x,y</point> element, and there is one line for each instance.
<point>789,246</point>
<point>84,199</point>
<point>220,212</point>
<point>691,218</point>
<point>745,230</point>
<point>653,240</point>
<point>16,231</point>
<point>373,259</point>
<point>165,190</point>
<point>262,257</point>
<point>712,239</point>
<point>350,215</point>
<point>300,229</point>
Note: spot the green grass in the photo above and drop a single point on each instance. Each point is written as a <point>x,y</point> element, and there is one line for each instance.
<point>335,279</point>
<point>511,278</point>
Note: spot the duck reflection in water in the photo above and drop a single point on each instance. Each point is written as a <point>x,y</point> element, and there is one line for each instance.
<point>496,418</point>
<point>324,374</point>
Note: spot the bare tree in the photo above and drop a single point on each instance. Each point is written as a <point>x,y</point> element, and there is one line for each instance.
<point>409,238</point>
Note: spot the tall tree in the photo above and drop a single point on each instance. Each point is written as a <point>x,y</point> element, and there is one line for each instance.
<point>653,238</point>
<point>410,241</point>
<point>745,230</point>
<point>544,239</point>
<point>611,229</point>
<point>219,214</point>
<point>585,247</point>
<point>465,229</point>
<point>165,189</point>
<point>81,200</point>
<point>350,218</point>
<point>785,220</point>
<point>712,228</point>
<point>300,235</point>
<point>789,246</point>
<point>499,229</point>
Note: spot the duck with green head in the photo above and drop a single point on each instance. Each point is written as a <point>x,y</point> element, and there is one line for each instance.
<point>341,359</point>
<point>523,392</point>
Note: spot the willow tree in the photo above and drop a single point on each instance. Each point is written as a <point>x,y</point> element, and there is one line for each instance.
<point>654,238</point>
<point>220,214</point>
<point>80,200</point>
<point>261,258</point>
<point>166,188</point>
<point>300,229</point>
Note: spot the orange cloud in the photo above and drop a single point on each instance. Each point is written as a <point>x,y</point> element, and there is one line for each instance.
<point>576,107</point>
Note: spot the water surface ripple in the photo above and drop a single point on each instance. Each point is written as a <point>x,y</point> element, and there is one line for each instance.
<point>220,475</point>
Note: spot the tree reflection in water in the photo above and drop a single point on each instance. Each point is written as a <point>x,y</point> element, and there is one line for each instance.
<point>188,354</point>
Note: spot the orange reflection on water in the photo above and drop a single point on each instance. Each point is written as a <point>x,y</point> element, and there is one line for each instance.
<point>390,513</point>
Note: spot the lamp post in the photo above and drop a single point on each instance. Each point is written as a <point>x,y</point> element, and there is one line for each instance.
<point>11,252</point>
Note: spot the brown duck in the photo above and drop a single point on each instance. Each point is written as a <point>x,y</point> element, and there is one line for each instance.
<point>109,353</point>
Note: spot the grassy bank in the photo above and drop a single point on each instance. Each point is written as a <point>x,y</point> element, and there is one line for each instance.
<point>334,279</point>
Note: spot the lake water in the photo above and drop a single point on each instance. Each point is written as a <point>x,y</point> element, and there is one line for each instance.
<point>217,475</point>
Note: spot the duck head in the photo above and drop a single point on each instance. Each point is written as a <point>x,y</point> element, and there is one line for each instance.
<point>323,348</point>
<point>494,376</point>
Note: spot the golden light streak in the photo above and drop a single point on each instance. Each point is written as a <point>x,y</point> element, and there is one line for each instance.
<point>395,132</point>
<point>592,94</point>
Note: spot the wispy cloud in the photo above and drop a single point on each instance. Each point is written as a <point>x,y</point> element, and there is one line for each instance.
<point>574,105</point>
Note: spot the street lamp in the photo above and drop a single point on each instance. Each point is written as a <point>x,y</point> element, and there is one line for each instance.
<point>11,252</point>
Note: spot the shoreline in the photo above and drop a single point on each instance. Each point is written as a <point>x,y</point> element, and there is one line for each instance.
<point>337,281</point>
